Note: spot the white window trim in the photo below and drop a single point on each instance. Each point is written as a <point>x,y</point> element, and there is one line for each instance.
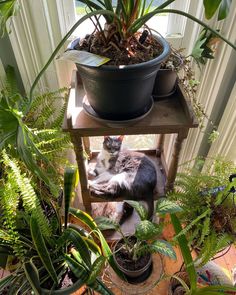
<point>212,85</point>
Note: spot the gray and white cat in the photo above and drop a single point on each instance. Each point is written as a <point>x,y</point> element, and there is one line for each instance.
<point>123,173</point>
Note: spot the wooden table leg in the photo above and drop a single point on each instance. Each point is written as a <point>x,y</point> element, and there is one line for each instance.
<point>86,143</point>
<point>175,160</point>
<point>160,143</point>
<point>79,152</point>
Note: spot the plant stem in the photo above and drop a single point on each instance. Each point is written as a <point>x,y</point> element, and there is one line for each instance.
<point>138,23</point>
<point>55,52</point>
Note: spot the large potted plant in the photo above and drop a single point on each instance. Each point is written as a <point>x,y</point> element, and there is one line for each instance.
<point>123,23</point>
<point>132,253</point>
<point>53,256</point>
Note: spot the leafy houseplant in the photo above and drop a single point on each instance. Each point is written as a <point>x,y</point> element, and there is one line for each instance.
<point>209,212</point>
<point>132,254</point>
<point>190,285</point>
<point>122,25</point>
<point>35,138</point>
<point>53,257</point>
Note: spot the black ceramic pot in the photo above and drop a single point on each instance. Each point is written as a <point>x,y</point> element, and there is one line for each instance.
<point>134,276</point>
<point>122,92</point>
<point>166,81</point>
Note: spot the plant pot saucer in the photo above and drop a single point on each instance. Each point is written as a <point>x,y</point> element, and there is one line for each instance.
<point>116,123</point>
<point>139,288</point>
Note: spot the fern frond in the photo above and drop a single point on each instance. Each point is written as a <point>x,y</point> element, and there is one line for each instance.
<point>9,204</point>
<point>30,201</point>
<point>212,245</point>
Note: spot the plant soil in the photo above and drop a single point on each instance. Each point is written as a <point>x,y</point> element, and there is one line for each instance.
<point>124,260</point>
<point>131,51</point>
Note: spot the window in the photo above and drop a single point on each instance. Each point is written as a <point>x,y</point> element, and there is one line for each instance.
<point>166,24</point>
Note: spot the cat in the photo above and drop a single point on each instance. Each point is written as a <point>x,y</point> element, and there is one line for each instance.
<point>123,173</point>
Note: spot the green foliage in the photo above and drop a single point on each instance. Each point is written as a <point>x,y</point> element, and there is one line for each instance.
<point>35,138</point>
<point>192,287</point>
<point>211,7</point>
<point>8,8</point>
<point>45,253</point>
<point>146,231</point>
<point>208,221</point>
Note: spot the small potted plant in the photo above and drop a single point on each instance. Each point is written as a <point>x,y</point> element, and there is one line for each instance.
<point>186,283</point>
<point>132,254</point>
<point>166,78</point>
<point>53,256</point>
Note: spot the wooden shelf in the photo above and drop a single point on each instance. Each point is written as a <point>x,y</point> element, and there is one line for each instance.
<point>170,115</point>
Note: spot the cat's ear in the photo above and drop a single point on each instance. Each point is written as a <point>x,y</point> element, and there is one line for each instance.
<point>106,137</point>
<point>120,138</point>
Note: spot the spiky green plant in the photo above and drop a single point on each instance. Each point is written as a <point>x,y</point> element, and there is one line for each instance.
<point>45,245</point>
<point>209,213</point>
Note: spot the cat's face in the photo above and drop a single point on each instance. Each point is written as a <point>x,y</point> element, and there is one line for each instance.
<point>112,144</point>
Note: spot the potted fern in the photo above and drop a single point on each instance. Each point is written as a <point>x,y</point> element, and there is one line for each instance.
<point>53,257</point>
<point>209,212</point>
<point>132,254</point>
<point>186,283</point>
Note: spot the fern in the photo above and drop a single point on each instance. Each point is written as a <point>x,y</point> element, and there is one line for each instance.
<point>9,204</point>
<point>30,200</point>
<point>212,245</point>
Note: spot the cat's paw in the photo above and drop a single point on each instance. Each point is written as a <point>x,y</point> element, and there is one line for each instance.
<point>92,173</point>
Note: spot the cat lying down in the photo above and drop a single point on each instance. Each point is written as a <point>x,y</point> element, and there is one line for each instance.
<point>123,173</point>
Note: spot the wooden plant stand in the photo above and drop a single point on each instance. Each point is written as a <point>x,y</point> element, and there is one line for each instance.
<point>170,115</point>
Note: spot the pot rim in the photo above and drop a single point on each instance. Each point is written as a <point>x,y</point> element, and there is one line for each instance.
<point>160,58</point>
<point>132,271</point>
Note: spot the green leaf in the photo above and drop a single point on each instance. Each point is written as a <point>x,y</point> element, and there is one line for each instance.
<point>105,223</point>
<point>84,217</point>
<point>146,230</point>
<point>198,49</point>
<point>7,9</point>
<point>80,245</point>
<point>108,254</point>
<point>210,7</point>
<point>6,281</point>
<point>69,186</point>
<point>163,247</point>
<point>92,246</point>
<point>78,269</point>
<point>224,9</point>
<point>96,269</point>
<point>183,244</point>
<point>164,206</point>
<point>41,248</point>
<point>32,276</point>
<point>140,209</point>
